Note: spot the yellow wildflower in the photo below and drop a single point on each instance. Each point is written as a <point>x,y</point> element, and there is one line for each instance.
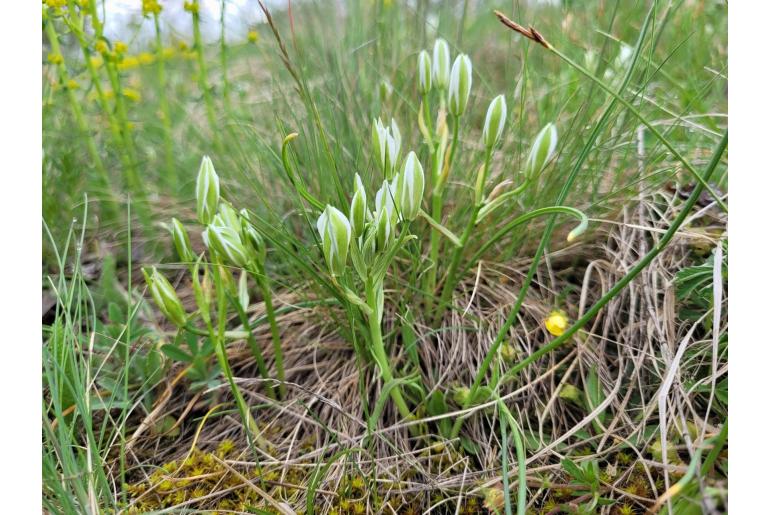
<point>192,7</point>
<point>253,36</point>
<point>55,4</point>
<point>101,47</point>
<point>145,58</point>
<point>120,47</point>
<point>151,7</point>
<point>182,45</point>
<point>132,94</point>
<point>72,84</point>
<point>97,61</point>
<point>128,62</point>
<point>557,322</point>
<point>55,58</point>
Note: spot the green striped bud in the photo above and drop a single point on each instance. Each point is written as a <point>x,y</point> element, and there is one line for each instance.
<point>424,72</point>
<point>409,187</point>
<point>387,145</point>
<point>384,199</point>
<point>228,216</point>
<point>441,63</point>
<point>334,229</point>
<point>495,122</point>
<point>165,297</point>
<point>225,241</point>
<point>251,238</point>
<point>542,150</point>
<point>384,228</point>
<point>358,208</point>
<point>207,191</point>
<point>460,81</point>
<point>181,241</point>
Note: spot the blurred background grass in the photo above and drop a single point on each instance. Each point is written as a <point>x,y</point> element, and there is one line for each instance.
<point>355,61</point>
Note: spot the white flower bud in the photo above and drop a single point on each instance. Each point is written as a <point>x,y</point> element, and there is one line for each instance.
<point>424,72</point>
<point>358,208</point>
<point>384,228</point>
<point>542,150</point>
<point>410,187</point>
<point>181,241</point>
<point>207,191</point>
<point>460,81</point>
<point>226,242</point>
<point>495,122</point>
<point>441,63</point>
<point>335,231</point>
<point>165,297</point>
<point>384,199</point>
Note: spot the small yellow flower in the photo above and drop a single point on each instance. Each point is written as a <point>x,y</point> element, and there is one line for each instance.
<point>253,36</point>
<point>128,62</point>
<point>182,45</point>
<point>191,7</point>
<point>101,47</point>
<point>85,4</point>
<point>120,47</point>
<point>56,4</point>
<point>168,52</point>
<point>97,61</point>
<point>132,94</point>
<point>557,322</point>
<point>55,58</point>
<point>72,84</point>
<point>145,58</point>
<point>151,7</point>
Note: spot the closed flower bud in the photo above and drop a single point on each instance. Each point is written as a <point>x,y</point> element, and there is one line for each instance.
<point>181,241</point>
<point>334,229</point>
<point>251,238</point>
<point>228,216</point>
<point>165,296</point>
<point>384,228</point>
<point>358,208</point>
<point>460,81</point>
<point>207,191</point>
<point>384,199</point>
<point>424,72</point>
<point>410,187</point>
<point>387,145</point>
<point>226,243</point>
<point>542,150</point>
<point>441,63</point>
<point>495,122</point>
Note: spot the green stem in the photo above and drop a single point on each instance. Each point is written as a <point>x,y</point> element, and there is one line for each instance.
<point>218,337</point>
<point>264,283</point>
<point>171,176</point>
<point>255,350</point>
<point>203,82</point>
<point>521,461</point>
<point>77,113</point>
<point>451,280</point>
<point>378,349</point>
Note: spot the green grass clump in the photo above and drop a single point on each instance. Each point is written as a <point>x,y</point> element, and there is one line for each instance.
<point>374,260</point>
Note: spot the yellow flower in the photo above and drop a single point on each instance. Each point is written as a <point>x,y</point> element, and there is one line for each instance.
<point>132,94</point>
<point>557,322</point>
<point>168,52</point>
<point>101,47</point>
<point>182,45</point>
<point>128,62</point>
<point>191,7</point>
<point>151,7</point>
<point>253,36</point>
<point>55,58</point>
<point>120,47</point>
<point>72,84</point>
<point>97,61</point>
<point>56,4</point>
<point>146,58</point>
